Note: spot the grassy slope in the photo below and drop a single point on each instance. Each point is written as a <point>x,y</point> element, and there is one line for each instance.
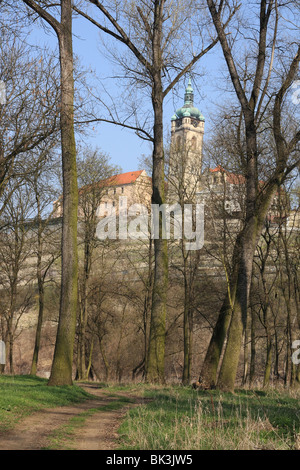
<point>180,418</point>
<point>176,418</point>
<point>22,395</point>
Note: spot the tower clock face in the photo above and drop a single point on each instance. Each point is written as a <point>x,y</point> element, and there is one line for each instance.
<point>195,123</point>
<point>178,122</point>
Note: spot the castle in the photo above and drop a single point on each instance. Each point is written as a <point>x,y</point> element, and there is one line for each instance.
<point>186,180</point>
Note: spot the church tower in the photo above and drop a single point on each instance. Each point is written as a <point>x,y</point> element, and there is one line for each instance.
<point>187,130</point>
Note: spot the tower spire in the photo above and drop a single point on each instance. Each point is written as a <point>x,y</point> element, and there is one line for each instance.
<point>189,94</point>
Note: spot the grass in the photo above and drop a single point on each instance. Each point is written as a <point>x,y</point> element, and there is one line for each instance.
<point>63,437</point>
<point>179,418</point>
<point>22,395</point>
<point>173,417</point>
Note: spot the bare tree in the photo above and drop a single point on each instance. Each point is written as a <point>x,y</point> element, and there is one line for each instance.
<point>40,179</point>
<point>258,198</point>
<point>28,108</point>
<point>94,171</point>
<point>16,274</point>
<point>61,373</point>
<point>151,31</point>
<point>183,183</point>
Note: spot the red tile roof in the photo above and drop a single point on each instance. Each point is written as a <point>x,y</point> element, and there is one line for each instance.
<point>218,168</point>
<point>124,178</point>
<point>116,180</point>
<point>232,178</point>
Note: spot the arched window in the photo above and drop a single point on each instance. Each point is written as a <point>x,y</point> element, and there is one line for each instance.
<point>178,143</point>
<point>194,143</point>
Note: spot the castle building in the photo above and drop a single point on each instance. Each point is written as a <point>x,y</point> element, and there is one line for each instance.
<point>135,186</point>
<point>187,131</point>
<point>187,182</point>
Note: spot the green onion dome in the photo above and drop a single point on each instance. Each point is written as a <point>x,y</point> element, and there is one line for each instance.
<point>188,109</point>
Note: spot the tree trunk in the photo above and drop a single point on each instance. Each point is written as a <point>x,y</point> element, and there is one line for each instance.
<point>298,374</point>
<point>254,214</point>
<point>89,366</point>
<point>246,359</point>
<point>191,341</point>
<point>36,350</point>
<point>186,332</point>
<point>209,370</point>
<point>83,312</point>
<point>228,371</point>
<point>276,356</point>
<point>61,373</point>
<point>38,333</point>
<point>146,312</point>
<point>187,325</point>
<point>156,350</point>
<point>253,347</point>
<point>10,323</point>
<point>104,357</point>
<point>186,347</point>
<point>268,364</point>
<point>11,354</point>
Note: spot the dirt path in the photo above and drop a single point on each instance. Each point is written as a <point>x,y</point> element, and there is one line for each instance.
<point>99,431</point>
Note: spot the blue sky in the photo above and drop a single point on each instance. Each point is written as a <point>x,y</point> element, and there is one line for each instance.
<point>123,146</point>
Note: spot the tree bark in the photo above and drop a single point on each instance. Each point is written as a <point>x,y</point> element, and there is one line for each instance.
<point>104,357</point>
<point>38,333</point>
<point>253,347</point>
<point>257,203</point>
<point>209,370</point>
<point>40,282</point>
<point>268,365</point>
<point>155,371</point>
<point>61,373</point>
<point>81,360</point>
<point>186,373</point>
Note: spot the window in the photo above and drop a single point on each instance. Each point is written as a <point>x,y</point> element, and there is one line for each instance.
<point>114,203</point>
<point>178,143</point>
<point>122,189</point>
<point>194,143</point>
<point>115,191</point>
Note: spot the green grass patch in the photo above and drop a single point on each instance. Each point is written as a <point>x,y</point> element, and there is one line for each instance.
<point>173,418</point>
<point>179,418</point>
<point>63,437</point>
<point>23,395</point>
